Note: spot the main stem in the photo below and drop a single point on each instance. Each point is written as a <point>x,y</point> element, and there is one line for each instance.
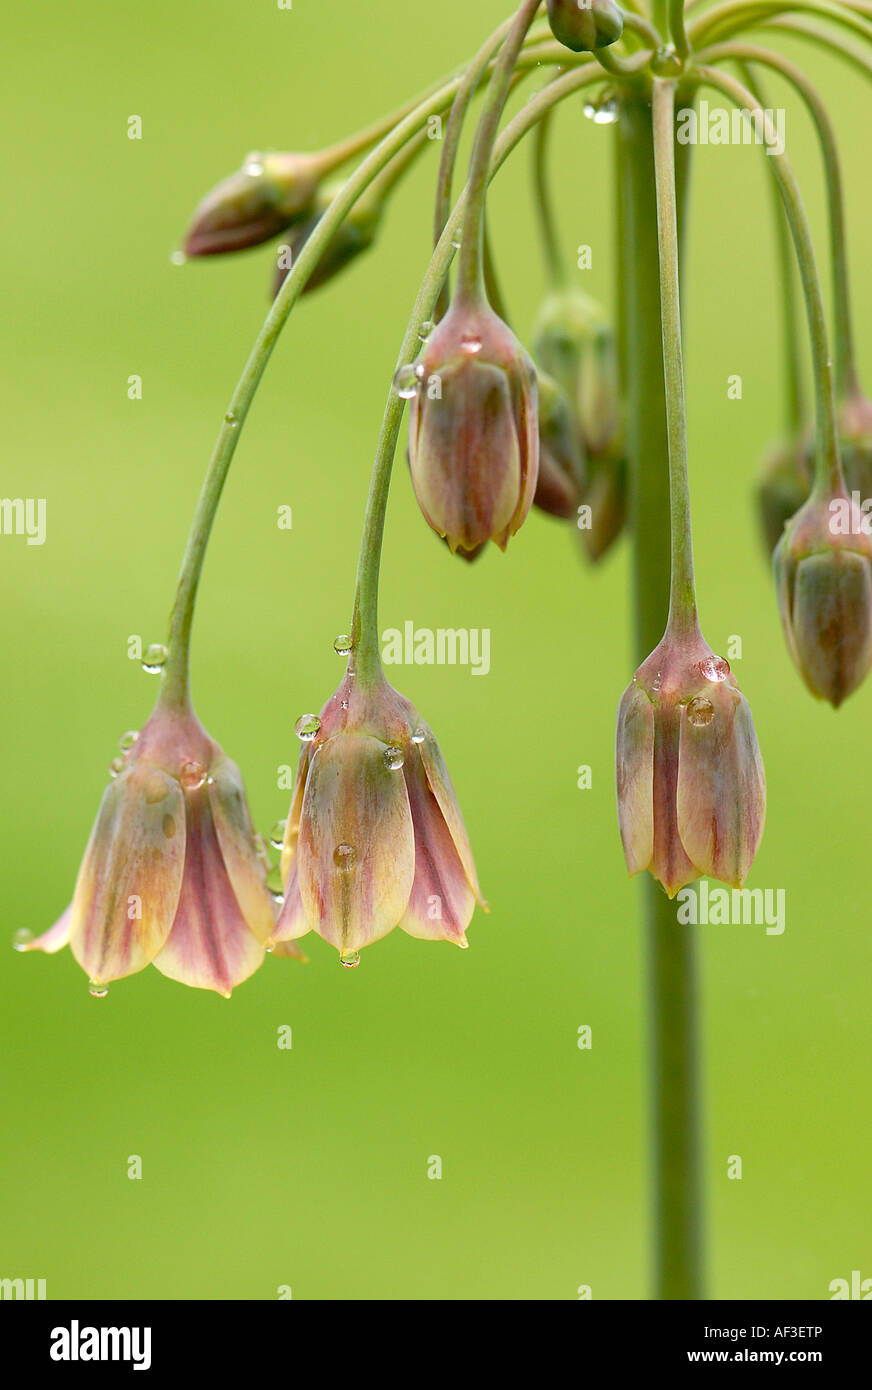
<point>677,1221</point>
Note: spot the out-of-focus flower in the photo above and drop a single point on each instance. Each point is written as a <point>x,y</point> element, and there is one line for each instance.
<point>561,459</point>
<point>823,578</point>
<point>585,27</point>
<point>474,434</point>
<point>268,194</point>
<point>605,505</point>
<point>691,787</point>
<point>855,443</point>
<point>355,235</point>
<point>374,838</point>
<point>171,875</point>
<point>784,486</point>
<point>574,342</point>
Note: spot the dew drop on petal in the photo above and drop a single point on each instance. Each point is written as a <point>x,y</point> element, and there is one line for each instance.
<point>126,741</point>
<point>22,939</point>
<point>714,668</point>
<point>344,857</point>
<point>307,727</point>
<point>277,834</point>
<point>471,343</point>
<point>96,990</point>
<point>425,330</point>
<point>116,766</point>
<point>253,164</point>
<point>419,736</point>
<point>349,959</point>
<point>657,681</point>
<point>342,644</point>
<point>154,658</point>
<point>700,711</point>
<point>407,380</point>
<point>192,775</point>
<point>394,758</point>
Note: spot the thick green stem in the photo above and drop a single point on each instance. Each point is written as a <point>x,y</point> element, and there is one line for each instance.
<point>828,471</point>
<point>677,1233</point>
<point>469,269</point>
<point>365,657</point>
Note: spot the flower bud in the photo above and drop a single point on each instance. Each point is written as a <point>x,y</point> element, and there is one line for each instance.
<point>784,486</point>
<point>691,787</point>
<point>574,342</point>
<point>355,235</point>
<point>823,578</point>
<point>269,193</point>
<point>473,436</point>
<point>561,460</point>
<point>855,443</point>
<point>374,838</point>
<point>584,25</point>
<point>171,875</point>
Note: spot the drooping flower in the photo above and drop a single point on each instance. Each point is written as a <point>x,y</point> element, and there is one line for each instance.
<point>355,234</point>
<point>171,875</point>
<point>561,459</point>
<point>784,485</point>
<point>374,838</point>
<point>268,194</point>
<point>473,437</point>
<point>690,780</point>
<point>823,579</point>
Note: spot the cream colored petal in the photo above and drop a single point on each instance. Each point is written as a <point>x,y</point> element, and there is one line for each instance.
<point>634,768</point>
<point>436,771</point>
<point>292,824</point>
<point>210,945</point>
<point>441,902</point>
<point>129,883</point>
<point>356,850</point>
<point>55,938</point>
<point>236,840</point>
<point>293,922</point>
<point>721,789</point>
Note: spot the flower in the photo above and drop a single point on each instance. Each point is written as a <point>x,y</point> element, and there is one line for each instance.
<point>171,875</point>
<point>823,578</point>
<point>374,838</point>
<point>575,343</point>
<point>355,234</point>
<point>561,459</point>
<point>585,26</point>
<point>473,438</point>
<point>268,194</point>
<point>691,787</point>
<point>783,487</point>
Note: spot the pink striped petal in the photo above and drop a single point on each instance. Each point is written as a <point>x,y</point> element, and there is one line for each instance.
<point>634,765</point>
<point>440,785</point>
<point>441,902</point>
<point>236,840</point>
<point>293,922</point>
<point>55,938</point>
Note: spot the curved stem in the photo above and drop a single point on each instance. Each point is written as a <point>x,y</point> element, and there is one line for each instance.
<point>682,598</point>
<point>725,20</point>
<point>557,273</point>
<point>469,271</point>
<point>831,43</point>
<point>365,657</point>
<point>643,29</point>
<point>677,28</point>
<point>846,375</point>
<point>828,472</point>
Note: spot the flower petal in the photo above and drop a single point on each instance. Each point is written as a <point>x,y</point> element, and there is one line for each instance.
<point>442,901</point>
<point>721,796</point>
<point>634,765</point>
<point>293,922</point>
<point>210,945</point>
<point>292,824</point>
<point>236,840</point>
<point>356,850</point>
<point>128,886</point>
<point>440,785</point>
<point>55,938</point>
<point>669,862</point>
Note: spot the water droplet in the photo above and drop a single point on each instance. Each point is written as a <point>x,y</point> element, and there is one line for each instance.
<point>307,727</point>
<point>425,330</point>
<point>277,834</point>
<point>126,741</point>
<point>96,990</point>
<point>471,343</point>
<point>345,856</point>
<point>342,644</point>
<point>714,668</point>
<point>154,658</point>
<point>350,959</point>
<point>231,419</point>
<point>344,704</point>
<point>394,758</point>
<point>253,164</point>
<point>116,766</point>
<point>22,939</point>
<point>408,379</point>
<point>419,736</point>
<point>700,711</point>
<point>192,775</point>
<point>178,258</point>
<point>602,112</point>
<point>657,681</point>
<point>274,880</point>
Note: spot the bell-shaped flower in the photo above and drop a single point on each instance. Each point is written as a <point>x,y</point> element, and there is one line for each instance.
<point>171,875</point>
<point>269,193</point>
<point>690,781</point>
<point>374,838</point>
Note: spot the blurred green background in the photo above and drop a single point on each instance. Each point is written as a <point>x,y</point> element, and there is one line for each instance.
<point>308,1168</point>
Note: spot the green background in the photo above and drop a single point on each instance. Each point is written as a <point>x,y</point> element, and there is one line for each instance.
<point>308,1167</point>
